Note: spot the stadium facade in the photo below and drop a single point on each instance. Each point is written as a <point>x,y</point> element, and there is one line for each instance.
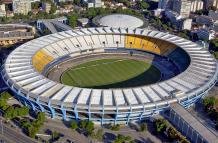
<point>25,71</point>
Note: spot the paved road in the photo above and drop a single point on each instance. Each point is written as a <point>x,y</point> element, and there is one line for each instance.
<point>200,115</point>
<point>57,125</point>
<point>11,135</point>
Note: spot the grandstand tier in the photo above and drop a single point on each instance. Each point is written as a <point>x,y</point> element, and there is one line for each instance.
<point>198,74</point>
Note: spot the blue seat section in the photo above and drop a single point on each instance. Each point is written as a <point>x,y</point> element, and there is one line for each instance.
<point>180,58</point>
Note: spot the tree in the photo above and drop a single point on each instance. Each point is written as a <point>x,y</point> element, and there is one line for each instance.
<point>143,127</point>
<point>160,125</point>
<point>31,131</point>
<point>121,139</point>
<point>209,103</point>
<point>35,5</point>
<point>9,113</point>
<point>90,127</point>
<point>55,136</point>
<point>142,5</point>
<point>115,127</point>
<point>53,8</point>
<point>73,125</point>
<point>214,45</point>
<point>2,103</point>
<point>73,20</point>
<point>82,124</point>
<point>24,123</point>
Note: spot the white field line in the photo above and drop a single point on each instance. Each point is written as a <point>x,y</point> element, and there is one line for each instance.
<point>106,63</point>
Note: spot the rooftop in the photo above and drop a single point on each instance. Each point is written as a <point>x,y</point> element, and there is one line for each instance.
<point>120,20</point>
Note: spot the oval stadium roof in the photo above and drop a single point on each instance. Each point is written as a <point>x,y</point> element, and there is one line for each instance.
<point>120,21</point>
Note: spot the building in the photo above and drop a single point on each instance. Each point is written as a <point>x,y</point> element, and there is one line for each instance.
<point>205,34</point>
<point>83,21</point>
<point>21,6</point>
<point>197,5</point>
<point>113,105</point>
<point>213,15</point>
<point>181,23</point>
<point>2,10</point>
<point>215,4</point>
<point>182,7</point>
<point>46,7</point>
<point>204,20</point>
<point>13,33</point>
<point>119,21</point>
<point>185,24</point>
<point>173,16</point>
<point>165,4</point>
<point>215,26</point>
<point>189,126</point>
<point>95,3</point>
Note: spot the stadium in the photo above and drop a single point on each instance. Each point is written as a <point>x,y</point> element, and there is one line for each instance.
<point>109,75</point>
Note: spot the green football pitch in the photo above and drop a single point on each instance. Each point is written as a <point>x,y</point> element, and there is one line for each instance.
<point>111,73</point>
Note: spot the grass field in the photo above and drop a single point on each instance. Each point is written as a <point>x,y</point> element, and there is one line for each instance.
<point>111,73</point>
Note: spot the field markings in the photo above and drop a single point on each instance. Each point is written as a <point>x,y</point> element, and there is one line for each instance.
<point>97,65</point>
<point>100,73</point>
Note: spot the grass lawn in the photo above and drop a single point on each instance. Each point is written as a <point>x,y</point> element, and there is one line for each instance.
<point>111,73</point>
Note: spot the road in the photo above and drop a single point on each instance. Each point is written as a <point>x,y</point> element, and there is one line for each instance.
<point>199,113</point>
<point>11,135</point>
<point>57,125</point>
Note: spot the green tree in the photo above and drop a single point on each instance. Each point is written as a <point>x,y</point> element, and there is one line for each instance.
<point>5,95</point>
<point>53,8</point>
<point>73,125</point>
<point>122,139</point>
<point>209,103</point>
<point>83,124</point>
<point>35,5</point>
<point>90,127</point>
<point>115,127</point>
<point>10,113</point>
<point>142,5</point>
<point>72,18</point>
<point>160,125</point>
<point>55,136</point>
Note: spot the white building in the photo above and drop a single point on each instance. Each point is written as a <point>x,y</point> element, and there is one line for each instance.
<point>179,21</point>
<point>186,24</point>
<point>215,4</point>
<point>95,3</point>
<point>2,10</point>
<point>21,6</point>
<point>196,5</point>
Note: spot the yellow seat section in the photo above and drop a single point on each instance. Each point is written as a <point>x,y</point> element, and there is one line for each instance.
<point>147,44</point>
<point>138,43</point>
<point>40,60</point>
<point>152,45</point>
<point>129,41</point>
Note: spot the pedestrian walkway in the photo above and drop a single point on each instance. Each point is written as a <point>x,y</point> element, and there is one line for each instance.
<point>190,126</point>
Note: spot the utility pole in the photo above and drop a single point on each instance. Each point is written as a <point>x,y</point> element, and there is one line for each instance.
<point>2,127</point>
